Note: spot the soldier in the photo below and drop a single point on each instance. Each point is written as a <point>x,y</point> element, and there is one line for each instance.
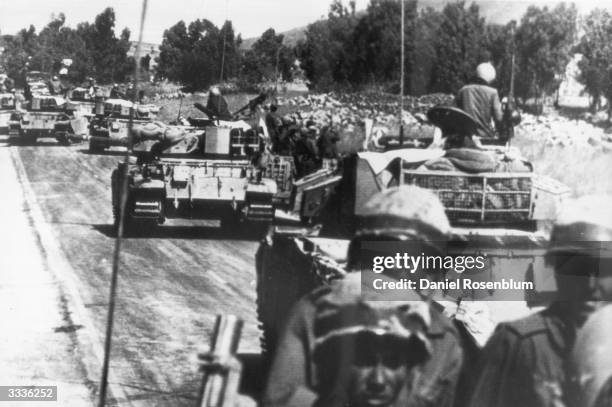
<point>523,362</point>
<point>115,92</point>
<point>274,124</point>
<point>306,152</point>
<point>217,104</point>
<point>481,101</point>
<point>347,346</point>
<point>131,93</point>
<point>55,86</point>
<point>591,362</point>
<point>91,86</point>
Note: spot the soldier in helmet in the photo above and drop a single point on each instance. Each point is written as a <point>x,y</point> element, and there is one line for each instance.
<point>217,104</point>
<point>481,101</point>
<point>348,345</point>
<point>115,92</point>
<point>524,361</point>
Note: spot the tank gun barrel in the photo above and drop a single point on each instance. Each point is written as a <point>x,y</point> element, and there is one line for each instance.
<point>167,136</point>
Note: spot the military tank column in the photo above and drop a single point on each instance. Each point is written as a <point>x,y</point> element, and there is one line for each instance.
<point>185,227</point>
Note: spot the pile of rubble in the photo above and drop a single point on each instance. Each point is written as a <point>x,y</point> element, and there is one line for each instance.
<point>557,130</point>
<point>349,110</point>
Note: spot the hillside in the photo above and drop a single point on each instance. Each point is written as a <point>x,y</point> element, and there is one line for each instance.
<point>291,38</point>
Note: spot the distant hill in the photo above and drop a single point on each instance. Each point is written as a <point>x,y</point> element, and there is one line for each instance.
<point>292,37</point>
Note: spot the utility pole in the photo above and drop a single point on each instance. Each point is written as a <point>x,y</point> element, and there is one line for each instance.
<point>401,112</point>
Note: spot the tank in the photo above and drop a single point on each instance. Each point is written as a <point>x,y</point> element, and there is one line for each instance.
<point>36,83</point>
<point>7,110</point>
<point>44,116</point>
<point>80,103</point>
<point>224,182</point>
<point>109,127</point>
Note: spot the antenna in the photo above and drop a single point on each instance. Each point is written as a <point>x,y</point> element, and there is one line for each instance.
<point>224,41</point>
<point>401,112</point>
<point>117,250</point>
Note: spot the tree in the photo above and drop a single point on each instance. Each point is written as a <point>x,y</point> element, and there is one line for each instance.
<point>596,64</point>
<point>377,42</point>
<point>93,48</point>
<point>145,63</point>
<point>500,45</point>
<point>108,53</point>
<point>544,41</point>
<point>200,54</point>
<point>18,48</point>
<point>267,59</point>
<point>327,52</point>
<point>424,57</point>
<point>459,45</point>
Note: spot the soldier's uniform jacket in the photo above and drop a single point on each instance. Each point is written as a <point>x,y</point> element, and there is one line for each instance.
<point>523,362</point>
<point>482,103</point>
<point>293,376</point>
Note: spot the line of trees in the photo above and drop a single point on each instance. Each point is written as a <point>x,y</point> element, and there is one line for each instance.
<point>348,50</point>
<point>442,47</point>
<point>94,48</point>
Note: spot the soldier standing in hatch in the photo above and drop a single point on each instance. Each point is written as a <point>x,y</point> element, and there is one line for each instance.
<point>481,101</point>
<point>274,124</point>
<point>524,361</point>
<point>348,346</point>
<point>115,92</point>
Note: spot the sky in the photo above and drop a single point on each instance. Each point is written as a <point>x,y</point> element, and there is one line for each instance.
<point>250,17</point>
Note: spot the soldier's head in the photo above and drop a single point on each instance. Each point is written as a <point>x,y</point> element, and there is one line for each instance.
<point>365,353</point>
<point>486,72</point>
<point>581,253</point>
<point>405,219</point>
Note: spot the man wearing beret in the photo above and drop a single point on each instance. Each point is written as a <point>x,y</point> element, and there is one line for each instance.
<point>345,345</point>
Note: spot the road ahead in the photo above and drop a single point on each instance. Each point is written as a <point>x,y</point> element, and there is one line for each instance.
<point>171,284</point>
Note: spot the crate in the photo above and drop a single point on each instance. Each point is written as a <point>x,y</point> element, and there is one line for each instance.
<point>280,169</point>
<point>478,198</point>
<point>243,143</point>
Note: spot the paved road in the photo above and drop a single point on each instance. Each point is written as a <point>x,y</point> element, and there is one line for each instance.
<point>171,284</point>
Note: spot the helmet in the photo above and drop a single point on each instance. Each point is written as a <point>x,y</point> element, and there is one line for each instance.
<point>591,360</point>
<point>406,213</point>
<point>583,226</point>
<point>215,91</point>
<point>343,323</point>
<point>486,72</point>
